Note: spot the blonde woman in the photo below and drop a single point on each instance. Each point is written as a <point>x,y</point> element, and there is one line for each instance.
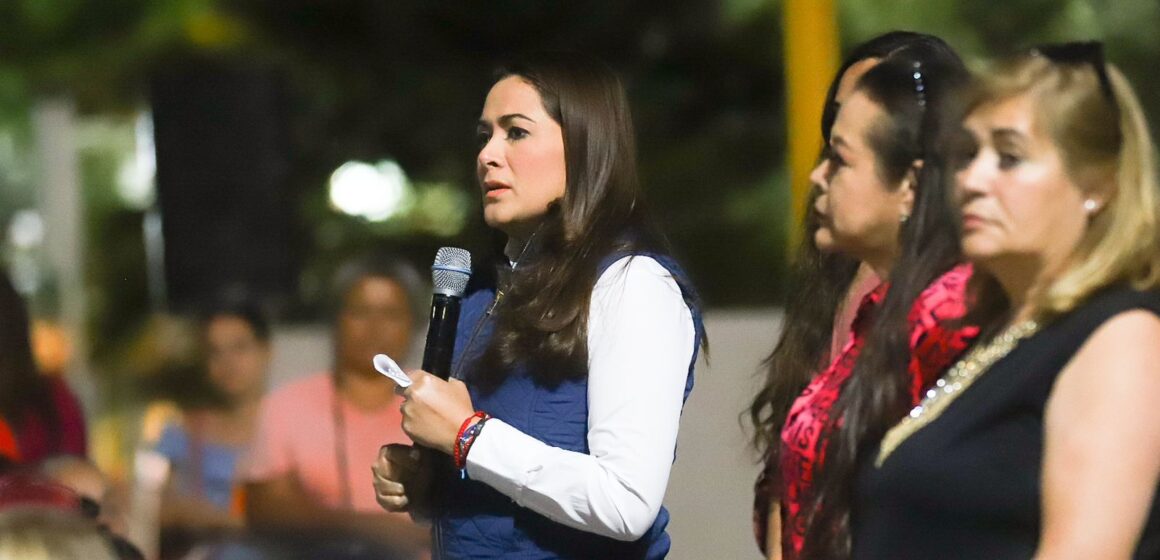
<point>1044,441</point>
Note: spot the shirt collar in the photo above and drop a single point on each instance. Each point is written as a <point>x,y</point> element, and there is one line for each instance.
<point>869,304</point>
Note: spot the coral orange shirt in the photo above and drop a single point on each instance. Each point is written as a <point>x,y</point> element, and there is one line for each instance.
<point>329,450</point>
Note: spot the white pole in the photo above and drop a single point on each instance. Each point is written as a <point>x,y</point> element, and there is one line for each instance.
<point>60,199</point>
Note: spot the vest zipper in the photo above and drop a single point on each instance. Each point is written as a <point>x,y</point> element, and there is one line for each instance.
<point>438,544</point>
<point>475,331</point>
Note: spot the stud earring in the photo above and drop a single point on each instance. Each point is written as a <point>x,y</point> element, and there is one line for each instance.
<point>1090,206</point>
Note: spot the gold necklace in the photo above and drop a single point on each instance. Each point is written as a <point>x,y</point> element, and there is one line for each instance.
<point>952,384</point>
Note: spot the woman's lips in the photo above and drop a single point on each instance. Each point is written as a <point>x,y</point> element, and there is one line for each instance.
<point>971,221</point>
<point>496,192</point>
<point>493,189</point>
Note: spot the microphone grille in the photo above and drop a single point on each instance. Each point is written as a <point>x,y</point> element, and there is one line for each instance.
<point>451,271</point>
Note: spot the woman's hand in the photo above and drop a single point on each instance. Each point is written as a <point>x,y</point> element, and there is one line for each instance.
<point>433,410</point>
<point>397,474</point>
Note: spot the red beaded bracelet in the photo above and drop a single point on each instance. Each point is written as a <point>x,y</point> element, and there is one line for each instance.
<point>466,442</point>
<point>458,452</point>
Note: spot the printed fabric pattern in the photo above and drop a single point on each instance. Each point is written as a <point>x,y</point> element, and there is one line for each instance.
<point>935,342</point>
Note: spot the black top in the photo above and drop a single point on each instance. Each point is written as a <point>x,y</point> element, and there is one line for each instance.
<point>967,485</point>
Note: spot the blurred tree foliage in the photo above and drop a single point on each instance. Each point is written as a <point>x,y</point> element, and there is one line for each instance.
<point>405,80</point>
<point>985,29</point>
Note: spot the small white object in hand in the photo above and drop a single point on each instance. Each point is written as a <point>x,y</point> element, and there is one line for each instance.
<point>386,366</point>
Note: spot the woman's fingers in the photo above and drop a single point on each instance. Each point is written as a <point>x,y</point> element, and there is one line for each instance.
<point>401,456</point>
<point>391,495</point>
<point>434,409</point>
<point>393,465</point>
<point>419,378</point>
<point>389,500</point>
<point>396,462</point>
<point>387,487</point>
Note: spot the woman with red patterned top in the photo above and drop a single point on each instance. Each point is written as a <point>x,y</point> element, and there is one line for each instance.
<point>45,417</point>
<point>878,213</point>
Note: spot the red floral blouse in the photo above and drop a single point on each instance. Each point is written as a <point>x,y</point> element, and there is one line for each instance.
<point>36,441</point>
<point>934,347</point>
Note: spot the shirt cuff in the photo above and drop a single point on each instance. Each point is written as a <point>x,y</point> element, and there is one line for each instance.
<point>505,458</point>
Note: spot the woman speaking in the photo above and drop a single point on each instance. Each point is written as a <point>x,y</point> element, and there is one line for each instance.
<point>574,360</point>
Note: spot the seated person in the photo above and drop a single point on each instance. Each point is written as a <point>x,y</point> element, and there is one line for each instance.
<point>203,444</point>
<point>307,466</point>
<point>44,417</point>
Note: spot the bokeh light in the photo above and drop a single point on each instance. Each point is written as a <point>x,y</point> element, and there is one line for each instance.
<point>374,192</point>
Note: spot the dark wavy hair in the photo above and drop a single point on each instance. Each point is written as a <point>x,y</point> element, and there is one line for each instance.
<point>818,282</point>
<point>877,393</point>
<point>245,310</point>
<point>543,317</point>
<point>23,390</point>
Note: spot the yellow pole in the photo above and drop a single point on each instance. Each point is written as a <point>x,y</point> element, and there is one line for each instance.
<point>811,58</point>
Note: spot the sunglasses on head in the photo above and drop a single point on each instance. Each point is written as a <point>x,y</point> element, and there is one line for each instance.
<point>919,84</point>
<point>1080,52</point>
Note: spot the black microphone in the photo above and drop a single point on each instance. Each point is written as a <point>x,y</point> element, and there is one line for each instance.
<point>449,274</point>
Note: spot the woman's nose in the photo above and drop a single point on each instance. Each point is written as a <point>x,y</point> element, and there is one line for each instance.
<point>818,175</point>
<point>490,154</point>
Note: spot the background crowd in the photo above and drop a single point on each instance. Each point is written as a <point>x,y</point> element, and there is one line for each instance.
<point>196,382</point>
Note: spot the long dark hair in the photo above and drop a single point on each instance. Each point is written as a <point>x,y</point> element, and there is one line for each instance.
<point>878,392</point>
<point>23,390</point>
<point>818,281</point>
<point>543,318</point>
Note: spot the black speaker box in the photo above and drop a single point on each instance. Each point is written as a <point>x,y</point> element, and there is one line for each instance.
<point>223,163</point>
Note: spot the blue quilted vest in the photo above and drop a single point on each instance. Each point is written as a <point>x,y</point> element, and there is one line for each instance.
<point>476,521</point>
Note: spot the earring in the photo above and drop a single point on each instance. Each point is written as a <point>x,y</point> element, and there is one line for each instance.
<point>1090,206</point>
<point>902,219</point>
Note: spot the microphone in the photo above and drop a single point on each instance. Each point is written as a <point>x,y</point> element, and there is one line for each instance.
<point>449,274</point>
